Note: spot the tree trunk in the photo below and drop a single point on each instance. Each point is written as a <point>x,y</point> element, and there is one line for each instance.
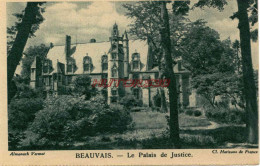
<point>16,51</point>
<point>248,76</point>
<point>163,100</point>
<point>173,96</point>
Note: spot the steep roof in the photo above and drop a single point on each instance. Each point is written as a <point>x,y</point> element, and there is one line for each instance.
<point>95,51</point>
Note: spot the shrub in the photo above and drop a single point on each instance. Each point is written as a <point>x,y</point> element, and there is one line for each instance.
<point>21,112</point>
<point>226,115</point>
<point>138,109</point>
<point>82,86</point>
<point>189,112</point>
<point>113,119</point>
<point>197,113</point>
<point>157,99</point>
<point>63,120</point>
<point>66,119</point>
<point>129,101</point>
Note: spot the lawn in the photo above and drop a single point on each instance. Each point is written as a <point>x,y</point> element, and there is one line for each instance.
<point>157,120</point>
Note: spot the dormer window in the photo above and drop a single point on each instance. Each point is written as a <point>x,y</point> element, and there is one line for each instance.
<point>114,71</point>
<point>46,66</point>
<point>135,64</point>
<point>113,56</point>
<point>136,61</point>
<point>87,64</point>
<point>104,63</point>
<point>70,66</point>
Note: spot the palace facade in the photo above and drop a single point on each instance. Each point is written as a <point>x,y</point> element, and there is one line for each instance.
<point>119,58</point>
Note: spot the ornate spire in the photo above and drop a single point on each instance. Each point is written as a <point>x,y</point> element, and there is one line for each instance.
<point>115,31</point>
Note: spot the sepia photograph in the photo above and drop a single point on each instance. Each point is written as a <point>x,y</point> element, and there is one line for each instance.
<point>132,75</point>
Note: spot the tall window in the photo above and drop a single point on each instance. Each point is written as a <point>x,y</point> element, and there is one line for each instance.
<point>70,65</point>
<point>87,64</point>
<point>33,74</point>
<point>69,79</point>
<point>113,56</point>
<point>46,67</point>
<point>136,93</point>
<point>136,61</point>
<point>135,64</point>
<point>104,63</point>
<point>114,72</point>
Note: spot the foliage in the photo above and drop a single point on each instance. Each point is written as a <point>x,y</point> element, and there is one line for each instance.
<point>21,112</point>
<point>215,64</point>
<point>157,99</point>
<point>192,112</point>
<point>113,119</point>
<point>31,53</point>
<point>147,21</point>
<point>226,115</point>
<point>82,86</point>
<point>189,112</point>
<point>12,31</point>
<point>65,119</point>
<point>129,101</point>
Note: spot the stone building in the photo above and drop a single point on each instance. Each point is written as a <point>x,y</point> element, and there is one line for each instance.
<point>119,58</point>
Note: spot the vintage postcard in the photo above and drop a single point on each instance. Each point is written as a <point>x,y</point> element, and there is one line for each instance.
<point>129,82</point>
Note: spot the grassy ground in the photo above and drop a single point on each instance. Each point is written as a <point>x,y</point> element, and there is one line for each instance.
<point>150,132</point>
<point>157,120</point>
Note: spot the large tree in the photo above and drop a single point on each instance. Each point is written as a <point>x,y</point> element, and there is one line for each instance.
<point>28,23</point>
<point>173,97</point>
<point>211,62</point>
<point>244,6</point>
<point>146,26</point>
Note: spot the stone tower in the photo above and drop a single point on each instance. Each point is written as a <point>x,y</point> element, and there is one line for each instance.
<point>115,66</point>
<point>126,54</point>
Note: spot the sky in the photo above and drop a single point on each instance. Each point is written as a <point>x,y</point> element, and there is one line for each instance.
<point>86,20</point>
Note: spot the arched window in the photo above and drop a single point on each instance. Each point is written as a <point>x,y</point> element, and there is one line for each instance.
<point>136,61</point>
<point>114,71</point>
<point>87,64</point>
<point>104,63</point>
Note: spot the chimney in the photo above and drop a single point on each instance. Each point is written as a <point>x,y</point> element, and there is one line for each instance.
<point>51,45</point>
<point>67,45</point>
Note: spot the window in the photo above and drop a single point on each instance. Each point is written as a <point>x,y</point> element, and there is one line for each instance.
<point>104,63</point>
<point>135,65</point>
<point>69,79</point>
<point>87,64</point>
<point>87,67</point>
<point>136,93</point>
<point>46,81</point>
<point>33,74</point>
<point>50,80</point>
<point>114,92</point>
<point>114,72</point>
<point>46,67</point>
<point>70,65</point>
<point>59,78</point>
<point>136,61</point>
<point>113,56</point>
<point>135,76</point>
